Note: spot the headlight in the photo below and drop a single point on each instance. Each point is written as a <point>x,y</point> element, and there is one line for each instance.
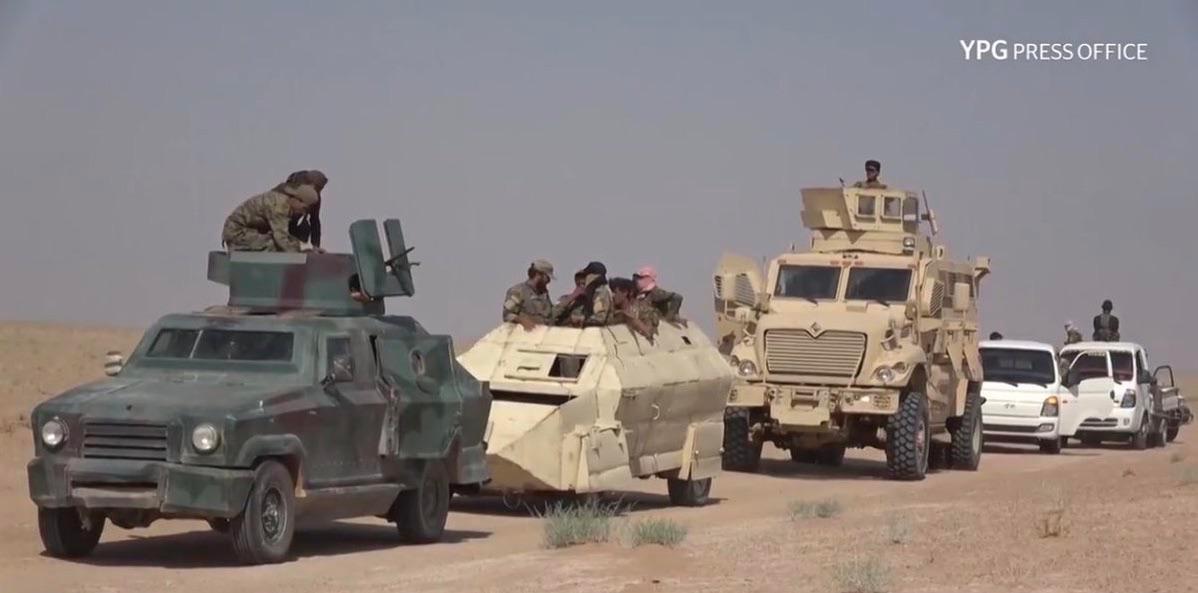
<point>205,438</point>
<point>1051,407</point>
<point>1129,399</point>
<point>884,374</point>
<point>747,368</point>
<point>54,433</point>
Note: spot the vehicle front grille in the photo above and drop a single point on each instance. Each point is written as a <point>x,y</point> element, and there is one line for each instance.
<point>1009,428</point>
<point>124,440</point>
<point>1100,423</point>
<point>797,352</point>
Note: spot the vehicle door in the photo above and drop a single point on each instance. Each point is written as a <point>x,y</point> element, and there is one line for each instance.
<point>1090,383</point>
<point>335,455</point>
<point>1166,388</point>
<point>361,396</point>
<point>424,408</point>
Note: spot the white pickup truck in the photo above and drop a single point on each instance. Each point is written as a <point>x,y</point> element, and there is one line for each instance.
<point>1024,399</point>
<point>1116,397</point>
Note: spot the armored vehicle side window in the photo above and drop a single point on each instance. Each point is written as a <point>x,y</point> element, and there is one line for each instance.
<point>892,207</point>
<point>808,282</point>
<point>878,284</point>
<point>221,344</point>
<point>1122,366</point>
<point>866,206</point>
<point>1007,365</point>
<point>339,348</point>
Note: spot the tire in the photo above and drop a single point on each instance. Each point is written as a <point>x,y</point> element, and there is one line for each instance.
<point>966,450</point>
<point>64,535</point>
<point>830,455</point>
<point>420,513</point>
<point>1052,447</point>
<point>741,454</point>
<point>908,439</point>
<point>1158,438</point>
<point>689,493</point>
<point>219,525</point>
<point>1171,432</point>
<point>1139,441</point>
<point>262,533</point>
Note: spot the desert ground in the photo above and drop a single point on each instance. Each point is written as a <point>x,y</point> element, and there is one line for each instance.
<point>1128,522</point>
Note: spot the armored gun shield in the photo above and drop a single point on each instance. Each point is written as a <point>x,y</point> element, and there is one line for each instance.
<point>382,276</point>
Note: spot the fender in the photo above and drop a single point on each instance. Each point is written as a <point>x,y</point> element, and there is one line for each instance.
<point>273,445</point>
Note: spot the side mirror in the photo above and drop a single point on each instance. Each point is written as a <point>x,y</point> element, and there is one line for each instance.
<point>342,371</point>
<point>113,363</point>
<point>910,311</point>
<point>962,299</point>
<point>1067,378</point>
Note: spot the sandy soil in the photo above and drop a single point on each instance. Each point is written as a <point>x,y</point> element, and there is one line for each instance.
<point>1130,523</point>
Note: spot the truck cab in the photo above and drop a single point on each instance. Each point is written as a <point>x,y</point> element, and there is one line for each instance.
<point>1025,401</point>
<point>1117,397</point>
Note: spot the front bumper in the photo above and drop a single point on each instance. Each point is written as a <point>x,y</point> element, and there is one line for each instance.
<point>811,406</point>
<point>1120,421</point>
<point>1020,428</point>
<point>170,489</point>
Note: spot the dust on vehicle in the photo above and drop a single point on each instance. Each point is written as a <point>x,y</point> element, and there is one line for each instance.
<point>869,338</point>
<point>301,399</point>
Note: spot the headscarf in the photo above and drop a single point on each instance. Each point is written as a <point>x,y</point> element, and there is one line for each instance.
<point>646,279</point>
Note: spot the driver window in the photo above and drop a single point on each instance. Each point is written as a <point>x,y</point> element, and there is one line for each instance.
<point>338,348</point>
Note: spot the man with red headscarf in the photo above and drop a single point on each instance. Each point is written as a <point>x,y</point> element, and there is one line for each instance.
<point>667,303</point>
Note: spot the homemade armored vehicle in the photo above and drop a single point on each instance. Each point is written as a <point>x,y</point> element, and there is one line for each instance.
<point>867,338</point>
<point>301,399</point>
<point>585,410</point>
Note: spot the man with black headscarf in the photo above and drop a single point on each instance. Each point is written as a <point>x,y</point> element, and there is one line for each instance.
<point>590,303</point>
<point>306,227</point>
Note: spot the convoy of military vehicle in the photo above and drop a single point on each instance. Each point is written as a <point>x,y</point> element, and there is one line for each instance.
<point>301,399</point>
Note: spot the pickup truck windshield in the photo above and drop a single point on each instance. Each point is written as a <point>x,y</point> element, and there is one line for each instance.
<point>887,285</point>
<point>1122,365</point>
<point>222,344</point>
<point>1008,365</point>
<point>1086,365</point>
<point>808,282</point>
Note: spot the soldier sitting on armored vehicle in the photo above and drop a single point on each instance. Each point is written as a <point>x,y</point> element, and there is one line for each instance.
<point>667,303</point>
<point>628,309</point>
<point>872,168</point>
<point>527,303</point>
<point>262,223</point>
<point>306,227</point>
<point>590,304</point>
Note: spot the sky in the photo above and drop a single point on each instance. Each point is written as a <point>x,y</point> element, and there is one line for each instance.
<point>633,133</point>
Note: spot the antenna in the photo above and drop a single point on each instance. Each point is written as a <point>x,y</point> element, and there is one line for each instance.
<point>930,216</point>
<point>841,181</point>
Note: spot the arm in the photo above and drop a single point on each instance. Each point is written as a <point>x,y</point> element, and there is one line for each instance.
<point>280,229</point>
<point>513,302</point>
<point>600,310</point>
<point>314,222</point>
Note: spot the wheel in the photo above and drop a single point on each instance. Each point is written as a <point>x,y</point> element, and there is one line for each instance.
<point>1171,432</point>
<point>1158,437</point>
<point>420,513</point>
<point>907,439</point>
<point>1139,441</point>
<point>1052,447</point>
<point>66,535</point>
<point>689,493</point>
<point>966,451</point>
<point>262,533</point>
<point>830,455</point>
<point>219,525</point>
<point>741,454</point>
<point>798,455</point>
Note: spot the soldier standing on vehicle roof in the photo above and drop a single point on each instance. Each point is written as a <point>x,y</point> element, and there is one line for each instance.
<point>261,222</point>
<point>667,303</point>
<point>628,308</point>
<point>306,227</point>
<point>527,303</point>
<point>1106,326</point>
<point>872,168</point>
<point>1072,335</point>
<point>590,303</point>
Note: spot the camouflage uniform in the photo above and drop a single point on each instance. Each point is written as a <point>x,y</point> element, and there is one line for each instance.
<point>640,309</point>
<point>261,222</point>
<point>595,309</point>
<point>523,299</point>
<point>1072,336</point>
<point>667,303</point>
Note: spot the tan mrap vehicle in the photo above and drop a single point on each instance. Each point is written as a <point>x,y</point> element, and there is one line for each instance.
<point>585,410</point>
<point>868,338</point>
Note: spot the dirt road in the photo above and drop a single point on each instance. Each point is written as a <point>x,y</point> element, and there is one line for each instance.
<point>1129,525</point>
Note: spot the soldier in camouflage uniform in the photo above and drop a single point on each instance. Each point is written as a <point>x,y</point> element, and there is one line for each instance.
<point>589,304</point>
<point>872,168</point>
<point>1106,326</point>
<point>667,303</point>
<point>628,309</point>
<point>261,222</point>
<point>1072,335</point>
<point>306,227</point>
<point>527,303</point>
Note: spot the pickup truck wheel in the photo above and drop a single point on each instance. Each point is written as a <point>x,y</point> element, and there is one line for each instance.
<point>1052,447</point>
<point>64,533</point>
<point>262,533</point>
<point>420,513</point>
<point>908,439</point>
<point>967,438</point>
<point>830,455</point>
<point>1171,432</point>
<point>689,493</point>
<point>1139,441</point>
<point>741,454</point>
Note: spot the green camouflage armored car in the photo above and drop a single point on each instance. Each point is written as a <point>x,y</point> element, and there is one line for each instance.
<point>299,400</point>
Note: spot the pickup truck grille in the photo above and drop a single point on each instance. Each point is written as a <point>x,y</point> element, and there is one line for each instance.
<point>1100,423</point>
<point>124,440</point>
<point>797,352</point>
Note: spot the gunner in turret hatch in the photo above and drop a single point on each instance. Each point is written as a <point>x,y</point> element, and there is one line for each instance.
<point>872,168</point>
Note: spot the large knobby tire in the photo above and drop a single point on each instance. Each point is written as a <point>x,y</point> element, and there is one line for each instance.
<point>966,451</point>
<point>908,439</point>
<point>1139,441</point>
<point>1052,447</point>
<point>262,533</point>
<point>689,493</point>
<point>741,453</point>
<point>1171,432</point>
<point>420,513</point>
<point>64,534</point>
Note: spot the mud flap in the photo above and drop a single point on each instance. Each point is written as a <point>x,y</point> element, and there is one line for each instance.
<point>701,454</point>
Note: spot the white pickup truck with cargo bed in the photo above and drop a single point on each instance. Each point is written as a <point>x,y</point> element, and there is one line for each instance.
<point>1117,398</point>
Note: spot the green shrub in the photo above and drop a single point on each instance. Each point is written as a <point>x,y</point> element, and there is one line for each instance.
<point>824,509</point>
<point>862,575</point>
<point>660,532</point>
<point>574,524</point>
